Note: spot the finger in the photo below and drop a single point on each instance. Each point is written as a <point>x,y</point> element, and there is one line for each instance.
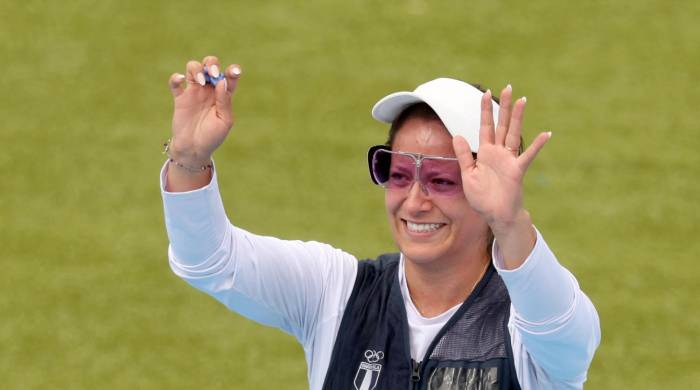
<point>177,84</point>
<point>512,141</point>
<point>224,91</point>
<point>233,73</point>
<point>212,66</point>
<point>530,153</point>
<point>194,74</point>
<point>504,114</point>
<point>223,103</point>
<point>463,153</point>
<point>486,132</point>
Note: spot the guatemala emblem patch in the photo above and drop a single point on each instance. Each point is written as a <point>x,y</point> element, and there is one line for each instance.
<point>367,375</point>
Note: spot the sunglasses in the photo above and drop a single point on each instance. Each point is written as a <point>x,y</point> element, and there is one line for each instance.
<point>397,171</point>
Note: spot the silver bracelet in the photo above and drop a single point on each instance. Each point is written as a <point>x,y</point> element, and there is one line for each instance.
<point>171,160</point>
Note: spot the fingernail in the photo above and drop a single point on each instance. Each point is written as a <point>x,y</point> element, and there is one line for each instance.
<point>488,91</point>
<point>200,78</point>
<point>225,84</point>
<point>235,71</point>
<point>214,71</point>
<point>524,99</point>
<point>179,77</point>
<point>509,87</point>
<point>549,134</point>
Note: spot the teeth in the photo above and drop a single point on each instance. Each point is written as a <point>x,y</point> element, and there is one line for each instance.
<point>422,227</point>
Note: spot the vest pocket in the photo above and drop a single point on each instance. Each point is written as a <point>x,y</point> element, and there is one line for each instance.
<point>464,378</point>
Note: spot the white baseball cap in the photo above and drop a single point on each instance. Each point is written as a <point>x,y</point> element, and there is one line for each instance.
<point>458,104</point>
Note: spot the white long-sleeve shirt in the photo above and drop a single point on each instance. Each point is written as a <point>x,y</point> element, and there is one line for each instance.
<point>302,288</point>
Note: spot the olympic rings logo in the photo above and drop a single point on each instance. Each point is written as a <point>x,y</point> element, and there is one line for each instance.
<point>373,356</point>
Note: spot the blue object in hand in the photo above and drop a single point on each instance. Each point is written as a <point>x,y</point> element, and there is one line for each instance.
<point>211,79</point>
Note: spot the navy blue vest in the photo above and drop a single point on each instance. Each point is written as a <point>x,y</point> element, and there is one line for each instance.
<point>472,351</point>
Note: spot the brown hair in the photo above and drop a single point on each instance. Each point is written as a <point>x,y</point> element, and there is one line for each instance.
<point>417,110</point>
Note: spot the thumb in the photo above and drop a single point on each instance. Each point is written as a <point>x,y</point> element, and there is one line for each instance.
<point>463,152</point>
<point>232,74</point>
<point>224,92</point>
<point>223,102</point>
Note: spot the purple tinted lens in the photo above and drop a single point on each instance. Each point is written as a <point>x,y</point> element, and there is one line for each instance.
<point>397,171</point>
<point>441,177</point>
<point>401,171</point>
<point>392,170</point>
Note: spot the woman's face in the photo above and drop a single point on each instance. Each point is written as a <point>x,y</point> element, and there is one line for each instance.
<point>430,228</point>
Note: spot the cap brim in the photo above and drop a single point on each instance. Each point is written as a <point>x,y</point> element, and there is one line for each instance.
<point>387,109</point>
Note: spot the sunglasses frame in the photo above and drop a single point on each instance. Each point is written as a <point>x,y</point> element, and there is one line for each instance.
<point>417,157</point>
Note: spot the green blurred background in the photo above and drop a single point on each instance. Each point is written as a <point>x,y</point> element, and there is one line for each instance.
<point>87,300</point>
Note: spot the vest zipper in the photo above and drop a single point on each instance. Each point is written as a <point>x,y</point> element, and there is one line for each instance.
<point>415,374</point>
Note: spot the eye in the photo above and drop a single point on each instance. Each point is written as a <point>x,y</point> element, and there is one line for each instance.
<point>442,182</point>
<point>444,185</point>
<point>399,178</point>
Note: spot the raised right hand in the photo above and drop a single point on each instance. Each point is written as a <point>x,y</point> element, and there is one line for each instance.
<point>202,117</point>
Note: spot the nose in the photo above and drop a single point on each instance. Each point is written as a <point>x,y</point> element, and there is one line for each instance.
<point>417,199</point>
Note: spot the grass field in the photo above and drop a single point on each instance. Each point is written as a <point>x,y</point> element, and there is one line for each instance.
<point>87,300</point>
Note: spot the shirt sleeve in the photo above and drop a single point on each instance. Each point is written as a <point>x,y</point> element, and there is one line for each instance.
<point>554,327</point>
<point>291,285</point>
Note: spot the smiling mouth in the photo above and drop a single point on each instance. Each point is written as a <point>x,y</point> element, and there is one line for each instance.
<point>414,227</point>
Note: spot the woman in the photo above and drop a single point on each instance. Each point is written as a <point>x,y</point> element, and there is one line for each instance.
<point>474,300</point>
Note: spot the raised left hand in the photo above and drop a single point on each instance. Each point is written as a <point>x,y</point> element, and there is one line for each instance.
<point>493,182</point>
